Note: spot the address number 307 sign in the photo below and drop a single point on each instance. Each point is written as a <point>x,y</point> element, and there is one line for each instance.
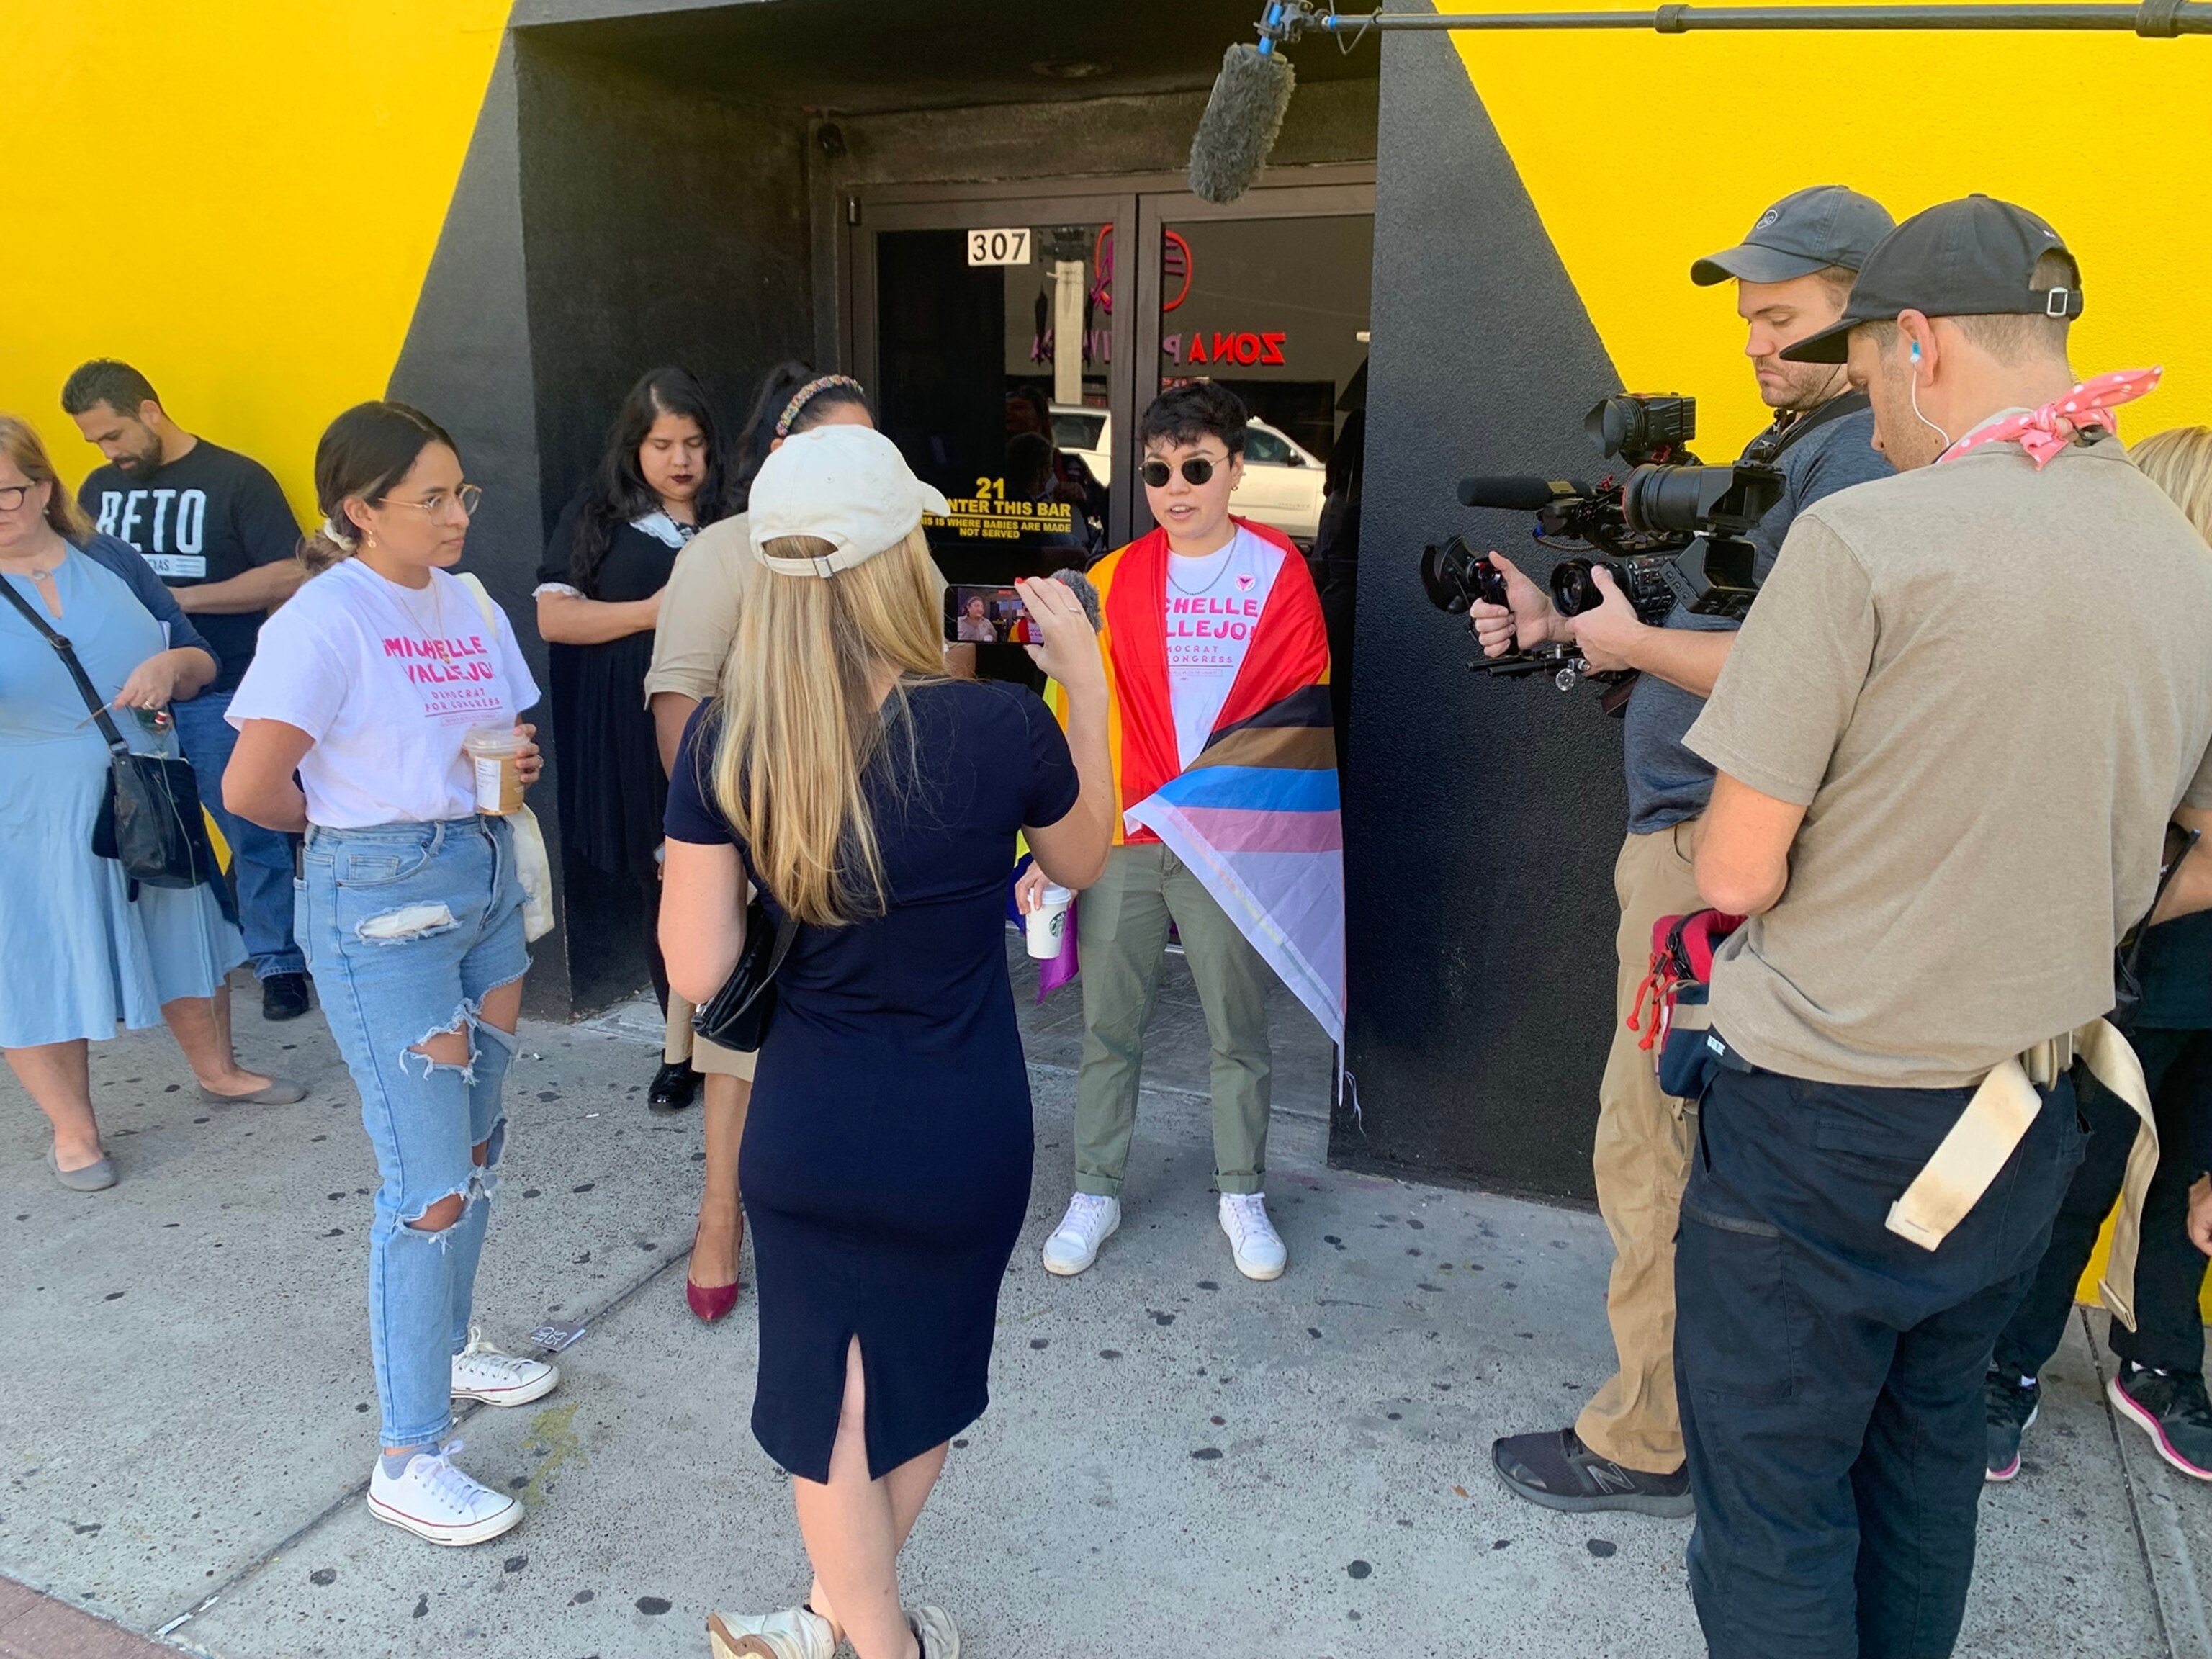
<point>999,247</point>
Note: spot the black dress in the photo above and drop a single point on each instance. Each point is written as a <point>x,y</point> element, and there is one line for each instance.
<point>609,790</point>
<point>885,1167</point>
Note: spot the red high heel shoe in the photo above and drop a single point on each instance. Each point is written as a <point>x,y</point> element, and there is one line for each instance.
<point>709,1302</point>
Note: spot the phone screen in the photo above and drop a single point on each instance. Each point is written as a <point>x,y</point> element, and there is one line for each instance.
<point>987,616</point>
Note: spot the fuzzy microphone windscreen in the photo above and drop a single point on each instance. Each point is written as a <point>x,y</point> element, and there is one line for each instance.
<point>1084,590</point>
<point>1250,97</point>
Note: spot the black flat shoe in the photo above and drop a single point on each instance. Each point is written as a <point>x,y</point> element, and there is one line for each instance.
<point>1560,1473</point>
<point>674,1087</point>
<point>283,996</point>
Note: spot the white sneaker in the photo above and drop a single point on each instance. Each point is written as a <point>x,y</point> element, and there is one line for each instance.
<point>1260,1253</point>
<point>483,1372</point>
<point>934,1629</point>
<point>794,1633</point>
<point>437,1501</point>
<point>1089,1222</point>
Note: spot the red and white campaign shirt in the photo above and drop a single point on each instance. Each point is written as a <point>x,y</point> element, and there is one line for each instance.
<point>386,680</point>
<point>1214,606</point>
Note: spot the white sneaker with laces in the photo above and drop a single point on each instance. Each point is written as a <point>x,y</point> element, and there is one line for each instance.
<point>435,1500</point>
<point>483,1372</point>
<point>1252,1240</point>
<point>934,1630</point>
<point>793,1634</point>
<point>1089,1222</point>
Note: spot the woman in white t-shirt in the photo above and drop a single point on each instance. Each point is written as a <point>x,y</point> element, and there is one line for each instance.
<point>364,684</point>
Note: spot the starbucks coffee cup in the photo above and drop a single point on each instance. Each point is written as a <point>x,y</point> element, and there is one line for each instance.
<point>1047,923</point>
<point>494,755</point>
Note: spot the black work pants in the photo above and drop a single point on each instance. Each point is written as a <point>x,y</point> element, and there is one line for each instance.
<point>2169,1269</point>
<point>1830,1372</point>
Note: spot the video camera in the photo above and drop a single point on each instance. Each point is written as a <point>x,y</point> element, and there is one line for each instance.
<point>1670,531</point>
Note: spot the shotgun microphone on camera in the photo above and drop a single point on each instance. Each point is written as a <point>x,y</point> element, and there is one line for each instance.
<point>1245,110</point>
<point>1518,494</point>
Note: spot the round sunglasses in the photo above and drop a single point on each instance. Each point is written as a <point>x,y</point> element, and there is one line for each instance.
<point>1197,469</point>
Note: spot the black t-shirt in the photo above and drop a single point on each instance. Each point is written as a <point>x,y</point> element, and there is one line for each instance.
<point>207,516</point>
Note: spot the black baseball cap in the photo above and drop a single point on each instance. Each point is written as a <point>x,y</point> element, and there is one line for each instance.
<point>1805,231</point>
<point>1972,257</point>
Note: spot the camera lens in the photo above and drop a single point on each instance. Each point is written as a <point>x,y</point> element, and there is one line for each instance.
<point>1572,589</point>
<point>1671,499</point>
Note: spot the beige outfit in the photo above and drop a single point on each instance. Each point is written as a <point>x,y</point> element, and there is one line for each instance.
<point>1976,841</point>
<point>698,622</point>
<point>1642,1162</point>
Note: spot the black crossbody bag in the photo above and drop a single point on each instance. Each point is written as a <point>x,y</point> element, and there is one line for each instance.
<point>738,1017</point>
<point>150,821</point>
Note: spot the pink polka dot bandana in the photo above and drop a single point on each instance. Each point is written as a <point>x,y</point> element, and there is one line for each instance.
<point>2044,432</point>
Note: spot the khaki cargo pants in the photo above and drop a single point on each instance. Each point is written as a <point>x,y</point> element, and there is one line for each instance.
<point>1642,1162</point>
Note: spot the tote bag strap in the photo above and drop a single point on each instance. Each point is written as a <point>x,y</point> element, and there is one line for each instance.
<point>93,700</point>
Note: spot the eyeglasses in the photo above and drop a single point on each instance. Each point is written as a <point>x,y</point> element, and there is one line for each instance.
<point>439,503</point>
<point>1197,469</point>
<point>13,495</point>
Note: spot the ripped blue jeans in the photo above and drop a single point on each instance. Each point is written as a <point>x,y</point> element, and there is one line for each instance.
<point>406,928</point>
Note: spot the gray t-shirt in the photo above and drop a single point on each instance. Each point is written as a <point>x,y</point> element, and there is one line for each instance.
<point>1668,784</point>
<point>1988,687</point>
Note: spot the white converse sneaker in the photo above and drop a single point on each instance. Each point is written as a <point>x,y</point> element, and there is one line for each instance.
<point>483,1372</point>
<point>437,1501</point>
<point>1089,1222</point>
<point>1260,1253</point>
<point>794,1633</point>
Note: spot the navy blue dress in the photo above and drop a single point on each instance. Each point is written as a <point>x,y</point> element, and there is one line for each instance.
<point>886,1168</point>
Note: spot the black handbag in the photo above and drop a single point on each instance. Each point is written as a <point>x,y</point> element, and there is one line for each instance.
<point>150,821</point>
<point>738,1017</point>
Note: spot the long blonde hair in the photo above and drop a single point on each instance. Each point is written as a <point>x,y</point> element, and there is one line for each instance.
<point>2180,462</point>
<point>799,724</point>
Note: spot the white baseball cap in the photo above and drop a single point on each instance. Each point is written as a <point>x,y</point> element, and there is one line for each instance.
<point>846,485</point>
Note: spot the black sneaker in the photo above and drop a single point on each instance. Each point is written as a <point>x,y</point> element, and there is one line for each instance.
<point>283,996</point>
<point>1557,1471</point>
<point>2169,1407</point>
<point>674,1087</point>
<point>2012,1406</point>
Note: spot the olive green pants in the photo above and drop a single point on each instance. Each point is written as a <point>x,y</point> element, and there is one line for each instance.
<point>1121,929</point>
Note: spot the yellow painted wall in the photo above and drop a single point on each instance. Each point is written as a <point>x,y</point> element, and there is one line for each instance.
<point>1642,151</point>
<point>239,196</point>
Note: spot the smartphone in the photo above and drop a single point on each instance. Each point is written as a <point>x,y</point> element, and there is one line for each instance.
<point>987,616</point>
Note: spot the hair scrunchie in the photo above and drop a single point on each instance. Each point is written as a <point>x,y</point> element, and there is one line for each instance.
<point>807,393</point>
<point>345,540</point>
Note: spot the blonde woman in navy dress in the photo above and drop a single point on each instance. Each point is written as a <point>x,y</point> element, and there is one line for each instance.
<point>886,1158</point>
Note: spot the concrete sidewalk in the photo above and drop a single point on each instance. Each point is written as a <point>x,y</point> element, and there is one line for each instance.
<point>1175,1461</point>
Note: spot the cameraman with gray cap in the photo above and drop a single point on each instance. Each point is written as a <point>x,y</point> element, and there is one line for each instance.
<point>1942,783</point>
<point>1792,273</point>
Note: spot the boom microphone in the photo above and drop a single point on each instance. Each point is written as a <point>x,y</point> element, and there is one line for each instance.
<point>1518,493</point>
<point>1083,589</point>
<point>1243,116</point>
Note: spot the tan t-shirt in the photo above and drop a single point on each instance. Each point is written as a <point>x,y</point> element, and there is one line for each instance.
<point>699,611</point>
<point>1989,687</point>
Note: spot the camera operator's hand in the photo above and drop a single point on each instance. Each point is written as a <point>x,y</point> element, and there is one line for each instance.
<point>1609,635</point>
<point>1527,619</point>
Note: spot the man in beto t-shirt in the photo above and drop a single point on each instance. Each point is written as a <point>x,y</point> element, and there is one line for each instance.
<point>1230,595</point>
<point>216,529</point>
<point>1949,741</point>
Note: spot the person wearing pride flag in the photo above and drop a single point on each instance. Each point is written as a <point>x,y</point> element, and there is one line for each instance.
<point>1226,823</point>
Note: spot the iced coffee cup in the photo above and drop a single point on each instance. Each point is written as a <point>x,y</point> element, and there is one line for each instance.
<point>1047,923</point>
<point>494,755</point>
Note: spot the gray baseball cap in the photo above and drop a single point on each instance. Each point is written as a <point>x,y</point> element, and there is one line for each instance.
<point>1805,231</point>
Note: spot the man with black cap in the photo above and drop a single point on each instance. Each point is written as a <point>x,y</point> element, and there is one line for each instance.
<point>1792,272</point>
<point>1945,763</point>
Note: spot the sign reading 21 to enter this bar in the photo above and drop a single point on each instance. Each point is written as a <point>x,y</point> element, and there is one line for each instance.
<point>999,247</point>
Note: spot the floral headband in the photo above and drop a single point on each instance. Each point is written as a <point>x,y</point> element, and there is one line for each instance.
<point>807,393</point>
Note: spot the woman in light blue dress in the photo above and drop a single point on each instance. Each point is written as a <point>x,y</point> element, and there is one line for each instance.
<point>100,957</point>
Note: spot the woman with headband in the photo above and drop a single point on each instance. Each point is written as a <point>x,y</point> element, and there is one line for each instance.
<point>698,624</point>
<point>874,802</point>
